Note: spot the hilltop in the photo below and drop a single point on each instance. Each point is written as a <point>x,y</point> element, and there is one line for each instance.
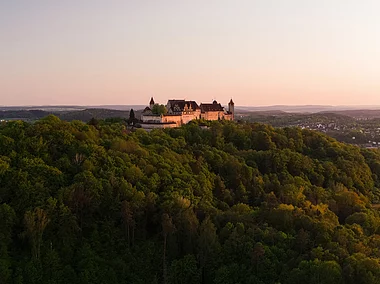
<point>231,203</point>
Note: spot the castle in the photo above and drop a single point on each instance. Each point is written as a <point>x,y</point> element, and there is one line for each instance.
<point>178,112</point>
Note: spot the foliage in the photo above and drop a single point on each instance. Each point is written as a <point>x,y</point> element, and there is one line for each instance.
<point>159,109</point>
<point>226,203</point>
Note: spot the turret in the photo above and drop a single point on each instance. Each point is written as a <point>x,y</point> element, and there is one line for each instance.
<point>151,104</point>
<point>231,108</point>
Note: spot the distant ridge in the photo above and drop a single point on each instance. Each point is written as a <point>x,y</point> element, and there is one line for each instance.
<point>358,113</point>
<point>305,108</point>
<point>283,108</point>
<point>56,108</point>
<point>68,114</point>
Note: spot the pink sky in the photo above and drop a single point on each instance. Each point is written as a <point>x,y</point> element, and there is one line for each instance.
<point>123,52</point>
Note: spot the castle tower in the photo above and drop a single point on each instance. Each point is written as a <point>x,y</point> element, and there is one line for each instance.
<point>231,108</point>
<point>151,104</point>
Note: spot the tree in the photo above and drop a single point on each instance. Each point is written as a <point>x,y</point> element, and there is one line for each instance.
<point>208,245</point>
<point>132,114</point>
<point>35,223</point>
<point>184,271</point>
<point>167,229</point>
<point>132,119</point>
<point>7,219</point>
<point>159,109</point>
<point>234,203</point>
<point>128,220</point>
<point>94,122</point>
<point>316,272</point>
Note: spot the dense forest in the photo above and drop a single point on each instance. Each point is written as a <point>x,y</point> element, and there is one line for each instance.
<point>228,203</point>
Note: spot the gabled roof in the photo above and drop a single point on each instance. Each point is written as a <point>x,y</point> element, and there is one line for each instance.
<point>215,106</point>
<point>175,101</point>
<point>147,110</point>
<point>179,105</point>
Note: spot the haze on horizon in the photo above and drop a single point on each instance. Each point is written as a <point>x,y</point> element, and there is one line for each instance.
<point>267,52</point>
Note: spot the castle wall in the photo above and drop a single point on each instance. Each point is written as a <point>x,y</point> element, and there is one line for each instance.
<point>228,116</point>
<point>191,115</point>
<point>177,119</point>
<point>212,115</point>
<point>186,117</point>
<point>151,118</point>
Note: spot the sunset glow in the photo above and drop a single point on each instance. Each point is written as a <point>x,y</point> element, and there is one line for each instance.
<point>266,52</point>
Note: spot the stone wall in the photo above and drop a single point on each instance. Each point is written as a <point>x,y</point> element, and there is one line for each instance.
<point>212,115</point>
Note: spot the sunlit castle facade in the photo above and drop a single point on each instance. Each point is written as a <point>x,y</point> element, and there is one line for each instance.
<point>179,112</point>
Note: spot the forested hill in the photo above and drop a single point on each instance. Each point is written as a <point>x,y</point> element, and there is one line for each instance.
<point>234,203</point>
<point>69,115</point>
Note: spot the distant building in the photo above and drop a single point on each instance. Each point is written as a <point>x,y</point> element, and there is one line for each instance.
<point>181,112</point>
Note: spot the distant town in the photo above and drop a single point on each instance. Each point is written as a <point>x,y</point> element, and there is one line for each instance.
<point>358,127</point>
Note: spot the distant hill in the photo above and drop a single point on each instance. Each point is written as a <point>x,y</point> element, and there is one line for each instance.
<point>87,114</point>
<point>283,119</point>
<point>305,108</point>
<point>23,114</point>
<point>118,107</point>
<point>69,115</point>
<point>44,108</point>
<point>262,112</point>
<point>359,113</point>
<point>283,108</point>
<point>71,108</point>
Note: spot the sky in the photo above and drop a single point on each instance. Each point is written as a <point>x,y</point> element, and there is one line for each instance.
<point>122,52</point>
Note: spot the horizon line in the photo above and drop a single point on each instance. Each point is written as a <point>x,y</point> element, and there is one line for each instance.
<point>274,105</point>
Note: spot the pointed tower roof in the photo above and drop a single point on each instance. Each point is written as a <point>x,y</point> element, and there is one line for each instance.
<point>151,101</point>
<point>231,102</point>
